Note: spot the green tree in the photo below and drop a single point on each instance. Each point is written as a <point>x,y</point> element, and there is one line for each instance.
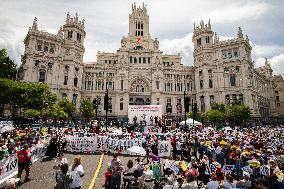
<point>67,106</point>
<point>218,106</point>
<point>24,95</point>
<point>86,108</point>
<point>238,113</point>
<point>32,113</point>
<point>214,116</point>
<point>8,69</point>
<point>56,112</point>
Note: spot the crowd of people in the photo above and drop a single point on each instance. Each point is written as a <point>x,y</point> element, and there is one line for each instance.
<point>199,158</point>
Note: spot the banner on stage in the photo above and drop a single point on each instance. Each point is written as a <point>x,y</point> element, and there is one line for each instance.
<point>144,113</point>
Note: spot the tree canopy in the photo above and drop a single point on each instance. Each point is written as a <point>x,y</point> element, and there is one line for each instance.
<point>67,106</point>
<point>8,69</point>
<point>24,95</point>
<point>86,108</point>
<point>214,116</point>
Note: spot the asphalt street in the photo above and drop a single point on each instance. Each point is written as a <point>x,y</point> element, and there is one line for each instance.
<point>42,173</point>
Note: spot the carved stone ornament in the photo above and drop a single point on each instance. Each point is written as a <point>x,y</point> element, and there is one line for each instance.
<point>139,82</point>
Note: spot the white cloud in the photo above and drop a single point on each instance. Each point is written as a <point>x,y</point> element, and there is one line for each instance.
<point>183,45</point>
<point>239,10</point>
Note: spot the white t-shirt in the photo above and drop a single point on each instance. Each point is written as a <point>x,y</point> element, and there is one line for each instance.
<point>76,176</point>
<point>213,185</point>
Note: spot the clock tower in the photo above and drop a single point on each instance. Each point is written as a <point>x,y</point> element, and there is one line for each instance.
<point>138,36</point>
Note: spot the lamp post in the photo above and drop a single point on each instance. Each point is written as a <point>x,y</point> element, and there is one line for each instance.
<point>184,104</point>
<point>97,105</point>
<point>106,105</point>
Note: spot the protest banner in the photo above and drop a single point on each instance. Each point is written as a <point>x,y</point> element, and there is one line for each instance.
<point>265,170</point>
<point>174,168</point>
<point>228,168</point>
<point>105,143</point>
<point>248,169</point>
<point>81,144</point>
<point>37,152</point>
<point>8,168</point>
<point>164,148</point>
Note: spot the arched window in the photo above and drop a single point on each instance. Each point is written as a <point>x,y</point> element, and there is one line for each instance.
<point>135,60</point>
<point>130,59</point>
<point>139,88</point>
<point>41,77</point>
<point>74,99</point>
<point>210,83</point>
<point>75,82</point>
<point>232,80</point>
<point>211,99</point>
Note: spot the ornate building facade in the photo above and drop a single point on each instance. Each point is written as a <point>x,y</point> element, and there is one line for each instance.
<point>139,73</point>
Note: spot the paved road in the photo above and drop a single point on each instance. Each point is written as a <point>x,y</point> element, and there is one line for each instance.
<point>42,172</point>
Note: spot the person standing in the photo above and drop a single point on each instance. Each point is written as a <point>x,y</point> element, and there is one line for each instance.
<point>64,179</point>
<point>58,163</point>
<point>116,169</point>
<point>24,162</point>
<point>77,172</point>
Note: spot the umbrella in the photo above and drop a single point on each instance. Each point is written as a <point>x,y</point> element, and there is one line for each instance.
<point>7,129</point>
<point>137,150</point>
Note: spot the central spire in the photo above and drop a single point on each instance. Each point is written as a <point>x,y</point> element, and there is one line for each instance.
<point>139,21</point>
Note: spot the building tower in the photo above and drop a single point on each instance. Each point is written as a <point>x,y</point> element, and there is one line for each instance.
<point>72,65</point>
<point>203,61</point>
<point>139,22</point>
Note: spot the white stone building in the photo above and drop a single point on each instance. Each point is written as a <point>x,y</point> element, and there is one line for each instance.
<point>139,72</point>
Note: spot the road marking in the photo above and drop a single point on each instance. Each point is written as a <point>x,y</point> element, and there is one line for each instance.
<point>97,172</point>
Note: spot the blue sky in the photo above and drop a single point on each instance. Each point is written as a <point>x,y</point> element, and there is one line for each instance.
<point>171,21</point>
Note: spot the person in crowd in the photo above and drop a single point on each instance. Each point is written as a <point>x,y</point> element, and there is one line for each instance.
<point>24,162</point>
<point>228,182</point>
<point>4,153</point>
<point>52,148</point>
<point>116,169</point>
<point>107,178</point>
<point>128,174</point>
<point>58,163</point>
<point>64,179</point>
<point>147,177</point>
<point>77,173</point>
<point>213,183</point>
